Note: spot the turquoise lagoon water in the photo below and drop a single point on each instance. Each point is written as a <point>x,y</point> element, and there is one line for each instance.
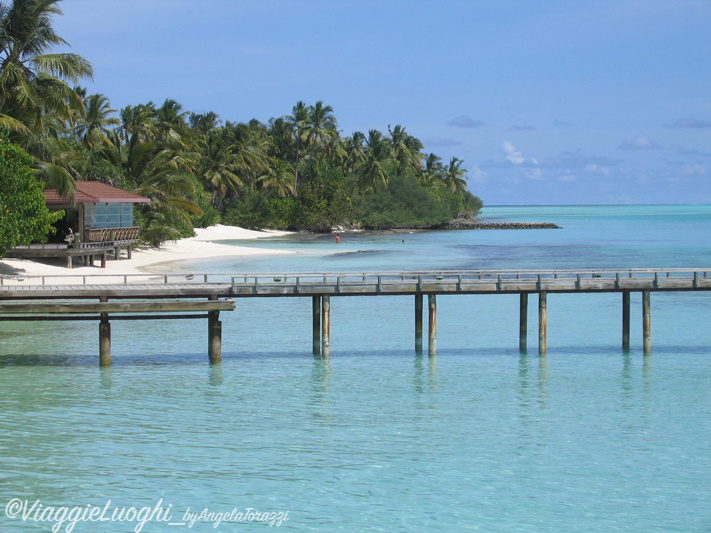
<point>478,438</point>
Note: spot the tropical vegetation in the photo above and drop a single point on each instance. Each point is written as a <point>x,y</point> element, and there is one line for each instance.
<point>298,171</point>
<point>24,216</point>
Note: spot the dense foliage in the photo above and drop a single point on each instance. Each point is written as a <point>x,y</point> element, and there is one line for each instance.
<point>296,172</point>
<point>24,216</point>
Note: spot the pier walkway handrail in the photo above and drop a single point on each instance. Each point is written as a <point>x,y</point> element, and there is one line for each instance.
<point>398,282</point>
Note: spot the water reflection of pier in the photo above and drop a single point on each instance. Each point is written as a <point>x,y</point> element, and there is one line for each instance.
<point>139,297</point>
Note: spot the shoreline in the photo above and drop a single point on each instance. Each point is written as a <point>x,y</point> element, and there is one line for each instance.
<point>206,245</point>
<point>148,259</point>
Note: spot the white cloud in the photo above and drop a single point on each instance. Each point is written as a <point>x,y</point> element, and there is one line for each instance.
<point>597,169</point>
<point>513,155</point>
<point>639,143</point>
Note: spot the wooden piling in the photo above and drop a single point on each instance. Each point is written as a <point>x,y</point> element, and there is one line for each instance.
<point>326,326</point>
<point>626,320</point>
<point>432,332</point>
<point>418,323</point>
<point>214,330</point>
<point>647,321</point>
<point>542,322</point>
<point>104,337</point>
<point>523,323</point>
<point>104,342</point>
<point>316,319</point>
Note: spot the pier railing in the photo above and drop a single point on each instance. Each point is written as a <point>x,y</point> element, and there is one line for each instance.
<point>445,281</point>
<point>111,235</point>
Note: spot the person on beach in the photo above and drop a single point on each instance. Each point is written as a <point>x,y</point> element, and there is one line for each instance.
<point>337,238</point>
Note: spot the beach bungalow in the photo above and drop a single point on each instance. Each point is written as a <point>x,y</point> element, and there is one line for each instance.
<point>98,219</point>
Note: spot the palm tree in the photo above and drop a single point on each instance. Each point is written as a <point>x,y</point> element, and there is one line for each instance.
<point>94,126</point>
<point>399,147</point>
<point>433,167</point>
<point>33,82</point>
<point>297,121</point>
<point>202,123</point>
<point>139,122</point>
<point>406,149</point>
<point>278,179</point>
<point>378,156</point>
<point>155,174</point>
<point>56,161</point>
<point>415,146</point>
<point>454,176</point>
<point>217,167</point>
<point>355,151</point>
<point>320,128</point>
<point>171,122</point>
<point>250,144</point>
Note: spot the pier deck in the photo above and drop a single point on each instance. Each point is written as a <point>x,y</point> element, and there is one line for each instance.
<point>350,283</point>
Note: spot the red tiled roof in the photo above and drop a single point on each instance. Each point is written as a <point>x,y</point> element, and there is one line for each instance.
<point>94,192</point>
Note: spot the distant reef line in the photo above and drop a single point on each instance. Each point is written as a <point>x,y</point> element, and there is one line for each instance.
<point>456,224</point>
<point>475,224</point>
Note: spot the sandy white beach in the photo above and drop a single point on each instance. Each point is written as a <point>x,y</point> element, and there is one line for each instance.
<point>148,259</point>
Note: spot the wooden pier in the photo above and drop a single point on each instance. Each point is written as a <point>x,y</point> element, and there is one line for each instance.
<point>175,296</point>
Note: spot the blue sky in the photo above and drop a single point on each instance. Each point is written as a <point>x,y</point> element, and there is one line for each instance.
<point>556,102</point>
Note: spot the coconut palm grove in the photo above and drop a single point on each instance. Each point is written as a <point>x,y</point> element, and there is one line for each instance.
<point>297,172</point>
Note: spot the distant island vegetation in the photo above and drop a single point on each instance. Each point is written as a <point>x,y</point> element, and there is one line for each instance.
<point>295,172</point>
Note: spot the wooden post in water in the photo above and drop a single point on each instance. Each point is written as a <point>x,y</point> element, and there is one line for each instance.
<point>432,333</point>
<point>214,331</point>
<point>626,321</point>
<point>316,319</point>
<point>326,325</point>
<point>542,321</point>
<point>647,321</point>
<point>104,337</point>
<point>104,342</point>
<point>214,335</point>
<point>523,323</point>
<point>418,323</point>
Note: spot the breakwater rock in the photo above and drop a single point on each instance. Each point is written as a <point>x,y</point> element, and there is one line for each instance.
<point>474,224</point>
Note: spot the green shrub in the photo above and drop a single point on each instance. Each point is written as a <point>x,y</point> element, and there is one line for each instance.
<point>24,216</point>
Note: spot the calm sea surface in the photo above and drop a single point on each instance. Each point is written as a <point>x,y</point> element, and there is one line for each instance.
<point>478,438</point>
